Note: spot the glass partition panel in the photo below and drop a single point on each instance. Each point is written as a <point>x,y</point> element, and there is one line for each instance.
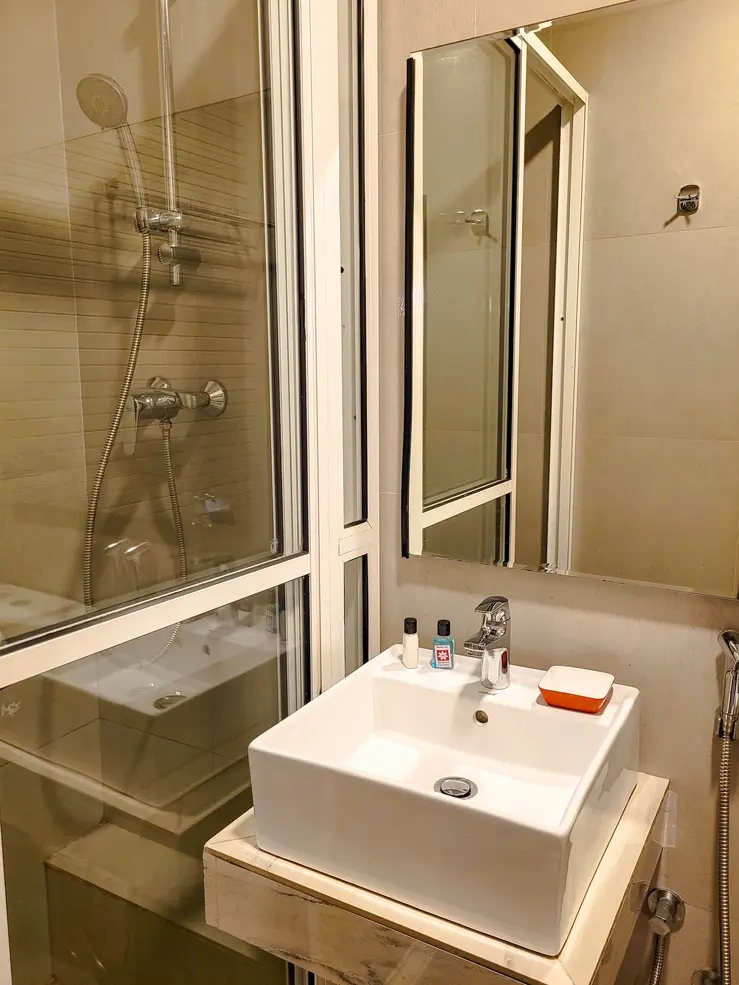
<point>144,441</point>
<point>114,771</point>
<point>351,175</point>
<point>468,145</point>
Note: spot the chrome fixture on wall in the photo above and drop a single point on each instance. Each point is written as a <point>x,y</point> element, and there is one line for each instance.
<point>160,401</point>
<point>726,731</point>
<point>492,643</point>
<point>667,914</point>
<point>166,90</point>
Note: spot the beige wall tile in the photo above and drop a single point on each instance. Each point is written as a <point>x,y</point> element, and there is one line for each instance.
<point>30,69</point>
<point>214,54</point>
<point>657,359</point>
<point>646,512</point>
<point>502,15</point>
<point>640,99</point>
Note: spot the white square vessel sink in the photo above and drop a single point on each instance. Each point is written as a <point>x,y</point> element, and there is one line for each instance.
<point>346,786</point>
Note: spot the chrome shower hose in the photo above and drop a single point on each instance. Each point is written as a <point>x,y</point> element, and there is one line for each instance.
<point>114,426</point>
<point>722,852</point>
<point>110,440</point>
<point>179,530</point>
<point>658,964</point>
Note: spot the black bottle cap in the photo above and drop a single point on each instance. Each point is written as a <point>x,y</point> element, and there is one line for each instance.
<point>410,626</point>
<point>443,628</point>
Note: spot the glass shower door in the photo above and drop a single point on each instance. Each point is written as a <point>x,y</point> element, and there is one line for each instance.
<point>150,441</point>
<point>145,442</point>
<point>114,771</point>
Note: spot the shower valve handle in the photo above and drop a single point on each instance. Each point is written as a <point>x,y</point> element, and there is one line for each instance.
<point>159,401</point>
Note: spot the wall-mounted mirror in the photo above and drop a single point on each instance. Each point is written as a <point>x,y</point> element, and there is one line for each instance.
<point>572,297</point>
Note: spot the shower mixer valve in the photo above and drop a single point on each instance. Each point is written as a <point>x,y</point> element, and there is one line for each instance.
<point>160,401</point>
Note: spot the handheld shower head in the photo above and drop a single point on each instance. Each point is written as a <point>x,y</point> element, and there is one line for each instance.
<point>102,101</point>
<point>728,714</point>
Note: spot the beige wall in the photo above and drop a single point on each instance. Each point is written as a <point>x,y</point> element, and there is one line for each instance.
<point>658,410</point>
<point>663,643</point>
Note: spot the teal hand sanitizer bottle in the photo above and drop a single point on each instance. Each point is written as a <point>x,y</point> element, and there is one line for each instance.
<point>443,649</point>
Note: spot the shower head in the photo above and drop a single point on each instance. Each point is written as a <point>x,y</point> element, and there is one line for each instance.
<point>102,101</point>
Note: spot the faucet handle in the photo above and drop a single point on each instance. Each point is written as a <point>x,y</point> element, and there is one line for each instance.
<point>496,617</point>
<point>495,603</point>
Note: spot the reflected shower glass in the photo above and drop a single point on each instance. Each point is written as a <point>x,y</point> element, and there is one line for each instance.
<point>537,329</point>
<point>116,769</point>
<point>356,641</point>
<point>467,145</point>
<point>478,535</point>
<point>353,313</point>
<point>144,442</point>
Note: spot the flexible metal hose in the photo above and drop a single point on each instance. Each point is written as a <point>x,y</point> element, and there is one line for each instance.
<point>179,529</point>
<point>660,947</point>
<point>114,426</point>
<point>722,850</point>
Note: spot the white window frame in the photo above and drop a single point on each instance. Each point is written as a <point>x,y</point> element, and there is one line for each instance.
<point>574,98</point>
<point>334,543</point>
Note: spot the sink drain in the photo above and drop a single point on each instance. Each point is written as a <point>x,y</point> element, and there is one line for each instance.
<point>456,786</point>
<point>169,700</point>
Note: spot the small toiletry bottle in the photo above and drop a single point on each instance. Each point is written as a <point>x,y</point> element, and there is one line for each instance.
<point>410,644</point>
<point>443,655</point>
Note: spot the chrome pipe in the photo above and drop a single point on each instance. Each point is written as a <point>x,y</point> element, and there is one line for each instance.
<point>166,89</point>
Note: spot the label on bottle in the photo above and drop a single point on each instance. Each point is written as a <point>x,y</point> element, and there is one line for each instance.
<point>443,655</point>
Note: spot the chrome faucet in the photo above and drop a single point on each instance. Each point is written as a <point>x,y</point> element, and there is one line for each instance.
<point>492,644</point>
<point>728,714</point>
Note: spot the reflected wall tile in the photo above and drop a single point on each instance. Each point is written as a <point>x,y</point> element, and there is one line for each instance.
<point>646,511</point>
<point>658,360</point>
<point>638,109</point>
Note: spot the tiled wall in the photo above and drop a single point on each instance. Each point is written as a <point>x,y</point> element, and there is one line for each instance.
<point>664,643</point>
<point>213,327</point>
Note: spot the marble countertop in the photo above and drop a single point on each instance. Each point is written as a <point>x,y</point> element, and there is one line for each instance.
<point>608,912</point>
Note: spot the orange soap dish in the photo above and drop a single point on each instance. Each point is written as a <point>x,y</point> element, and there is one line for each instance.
<point>576,689</point>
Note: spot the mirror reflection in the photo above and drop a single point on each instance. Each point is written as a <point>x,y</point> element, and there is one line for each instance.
<point>571,298</point>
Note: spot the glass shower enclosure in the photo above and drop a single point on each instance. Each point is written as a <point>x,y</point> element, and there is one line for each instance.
<point>150,440</point>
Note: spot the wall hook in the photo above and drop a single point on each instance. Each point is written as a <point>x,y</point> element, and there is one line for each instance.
<point>689,199</point>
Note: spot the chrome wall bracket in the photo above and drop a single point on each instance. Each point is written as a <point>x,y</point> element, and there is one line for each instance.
<point>666,912</point>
